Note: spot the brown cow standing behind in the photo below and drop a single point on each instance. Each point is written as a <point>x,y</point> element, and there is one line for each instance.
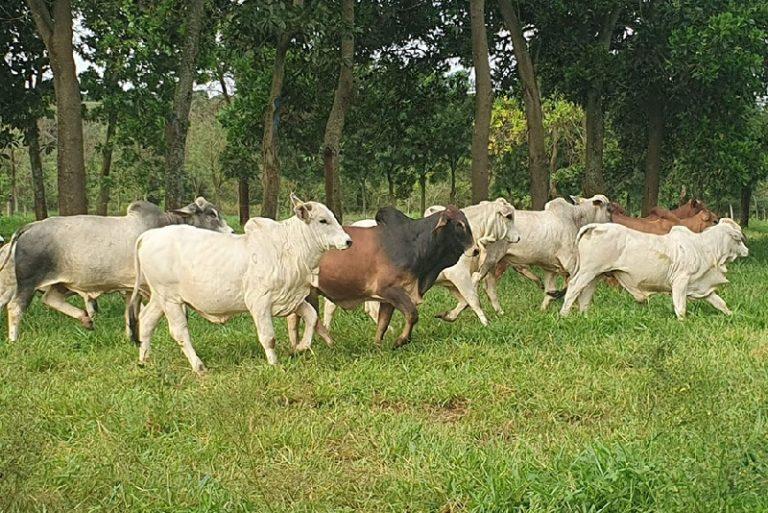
<point>394,262</point>
<point>688,209</point>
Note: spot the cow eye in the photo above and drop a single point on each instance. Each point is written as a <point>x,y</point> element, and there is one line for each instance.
<point>212,213</point>
<point>509,216</point>
<point>323,221</point>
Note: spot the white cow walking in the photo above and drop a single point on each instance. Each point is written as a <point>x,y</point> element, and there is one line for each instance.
<point>687,264</point>
<point>548,241</point>
<point>267,272</point>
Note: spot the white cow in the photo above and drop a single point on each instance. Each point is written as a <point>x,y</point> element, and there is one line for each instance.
<point>492,223</point>
<point>267,272</point>
<point>548,241</point>
<point>684,263</point>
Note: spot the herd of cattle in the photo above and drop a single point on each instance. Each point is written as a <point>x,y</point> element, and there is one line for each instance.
<point>190,258</point>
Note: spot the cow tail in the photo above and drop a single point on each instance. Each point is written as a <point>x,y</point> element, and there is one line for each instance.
<point>135,304</point>
<point>11,246</point>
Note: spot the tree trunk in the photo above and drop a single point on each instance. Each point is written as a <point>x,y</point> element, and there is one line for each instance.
<point>423,189</point>
<point>177,124</point>
<point>746,199</point>
<point>55,28</point>
<point>362,193</point>
<point>36,166</point>
<point>483,102</point>
<point>553,192</point>
<point>655,112</point>
<point>13,193</point>
<point>391,186</point>
<point>452,195</point>
<point>537,157</point>
<point>341,100</point>
<point>270,161</point>
<point>243,199</point>
<point>106,165</point>
<point>594,182</point>
<point>593,173</point>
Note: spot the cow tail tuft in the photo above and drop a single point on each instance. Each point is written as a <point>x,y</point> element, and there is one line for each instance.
<point>135,304</point>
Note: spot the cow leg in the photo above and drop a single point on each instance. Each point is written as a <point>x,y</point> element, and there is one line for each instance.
<point>550,289</point>
<point>16,308</point>
<point>525,271</point>
<point>309,315</point>
<point>490,290</point>
<point>261,312</point>
<point>372,309</point>
<point>452,315</point>
<point>292,322</point>
<point>585,298</point>
<point>177,324</point>
<point>402,302</point>
<point>581,281</point>
<point>382,323</point>
<point>91,306</point>
<point>56,299</point>
<point>719,303</point>
<point>149,316</point>
<point>329,308</point>
<point>679,292</point>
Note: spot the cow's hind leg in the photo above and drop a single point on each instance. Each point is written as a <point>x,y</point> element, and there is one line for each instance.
<point>402,302</point>
<point>16,308</point>
<point>585,298</point>
<point>177,325</point>
<point>550,289</point>
<point>491,291</point>
<point>581,281</point>
<point>148,318</point>
<point>719,303</point>
<point>56,299</point>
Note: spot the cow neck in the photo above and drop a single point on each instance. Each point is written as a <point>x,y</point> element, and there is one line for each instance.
<point>714,245</point>
<point>428,263</point>
<point>169,218</point>
<point>300,240</point>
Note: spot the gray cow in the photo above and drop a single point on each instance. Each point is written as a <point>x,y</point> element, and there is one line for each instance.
<point>89,255</point>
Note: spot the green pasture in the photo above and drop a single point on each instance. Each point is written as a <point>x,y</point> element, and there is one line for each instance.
<point>625,409</point>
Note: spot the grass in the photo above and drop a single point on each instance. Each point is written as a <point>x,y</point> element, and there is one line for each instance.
<point>622,410</point>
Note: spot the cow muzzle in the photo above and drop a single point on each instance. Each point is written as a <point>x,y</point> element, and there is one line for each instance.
<point>514,239</point>
<point>344,244</point>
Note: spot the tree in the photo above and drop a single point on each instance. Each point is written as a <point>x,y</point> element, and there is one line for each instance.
<point>177,124</point>
<point>55,28</point>
<point>341,101</point>
<point>483,102</point>
<point>537,158</point>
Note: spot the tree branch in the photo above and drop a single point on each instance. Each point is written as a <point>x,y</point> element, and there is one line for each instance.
<point>42,18</point>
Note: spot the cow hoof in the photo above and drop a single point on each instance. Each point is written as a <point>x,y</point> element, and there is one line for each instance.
<point>200,370</point>
<point>302,348</point>
<point>400,342</point>
<point>444,316</point>
<point>87,322</point>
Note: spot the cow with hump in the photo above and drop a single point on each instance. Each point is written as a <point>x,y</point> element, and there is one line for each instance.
<point>394,262</point>
<point>267,272</point>
<point>687,264</point>
<point>88,255</point>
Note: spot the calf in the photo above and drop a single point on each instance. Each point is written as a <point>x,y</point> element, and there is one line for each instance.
<point>395,262</point>
<point>267,272</point>
<point>661,225</point>
<point>688,209</point>
<point>684,263</point>
<point>89,255</point>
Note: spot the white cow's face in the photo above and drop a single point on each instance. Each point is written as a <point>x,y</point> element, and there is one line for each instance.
<point>505,217</point>
<point>323,224</point>
<point>736,240</point>
<point>596,208</point>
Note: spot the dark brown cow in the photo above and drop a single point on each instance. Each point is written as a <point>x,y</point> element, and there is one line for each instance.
<point>394,262</point>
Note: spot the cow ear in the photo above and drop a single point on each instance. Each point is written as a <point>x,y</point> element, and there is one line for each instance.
<point>201,202</point>
<point>598,202</point>
<point>189,210</point>
<point>303,211</point>
<point>575,199</point>
<point>440,223</point>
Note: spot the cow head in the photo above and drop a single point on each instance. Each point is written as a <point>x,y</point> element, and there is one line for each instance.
<point>690,208</point>
<point>452,229</point>
<point>504,222</point>
<point>703,220</point>
<point>324,227</point>
<point>735,240</point>
<point>615,208</point>
<point>202,214</point>
<point>594,209</point>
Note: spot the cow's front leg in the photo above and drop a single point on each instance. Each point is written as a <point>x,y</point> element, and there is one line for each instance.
<point>56,299</point>
<point>490,290</point>
<point>382,323</point>
<point>309,315</point>
<point>177,325</point>
<point>402,302</point>
<point>719,303</point>
<point>679,293</point>
<point>292,322</point>
<point>261,311</point>
<point>550,289</point>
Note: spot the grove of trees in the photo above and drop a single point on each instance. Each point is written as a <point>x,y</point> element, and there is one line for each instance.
<point>365,103</point>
